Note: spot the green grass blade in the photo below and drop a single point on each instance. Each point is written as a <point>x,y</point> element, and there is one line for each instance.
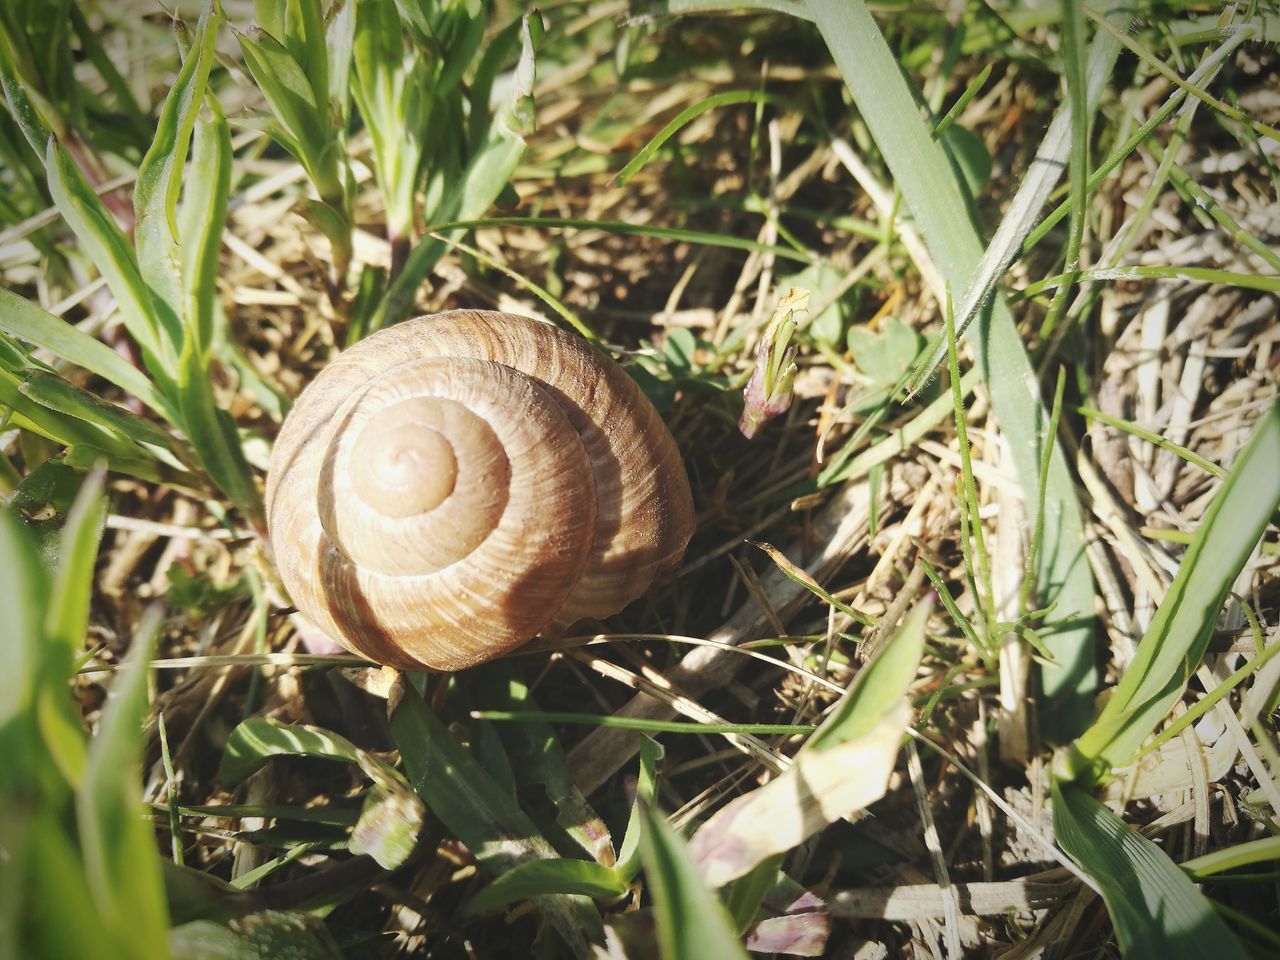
<point>155,195</point>
<point>1043,174</point>
<point>50,390</point>
<point>937,200</point>
<point>1156,910</point>
<point>674,234</point>
<point>68,614</point>
<point>639,723</point>
<point>1174,643</point>
<point>211,430</point>
<point>542,877</point>
<point>150,321</point>
<point>646,790</point>
<point>637,163</point>
<point>26,321</point>
<point>692,922</point>
<point>120,857</point>
<point>537,757</point>
<point>1234,857</point>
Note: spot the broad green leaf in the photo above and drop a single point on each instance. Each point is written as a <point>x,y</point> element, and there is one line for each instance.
<point>862,734</point>
<point>66,623</point>
<point>480,814</point>
<point>692,923</point>
<point>1175,642</point>
<point>258,739</point>
<point>541,877</point>
<point>151,322</point>
<point>120,859</point>
<point>26,321</point>
<point>1156,910</point>
<point>538,759</point>
<point>392,813</point>
<point>268,935</point>
<point>884,355</point>
<point>122,425</point>
<point>305,40</point>
<point>155,194</point>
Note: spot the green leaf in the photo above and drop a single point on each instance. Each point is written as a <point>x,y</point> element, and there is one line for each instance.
<point>646,792</point>
<point>538,759</point>
<point>211,430</point>
<point>1175,642</point>
<point>290,95</point>
<point>692,923</point>
<point>155,194</point>
<point>65,627</point>
<point>863,733</point>
<point>258,739</point>
<point>886,355</point>
<point>480,814</point>
<point>150,321</point>
<point>730,98</point>
<point>1156,909</point>
<point>542,877</point>
<point>120,857</point>
<point>879,686</point>
<point>944,215</point>
<point>305,40</point>
<point>392,813</point>
<point>68,615</point>
<point>125,426</point>
<point>26,321</point>
<point>268,935</point>
<point>24,591</point>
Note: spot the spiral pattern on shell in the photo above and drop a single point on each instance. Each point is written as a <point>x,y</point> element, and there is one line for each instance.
<point>453,486</point>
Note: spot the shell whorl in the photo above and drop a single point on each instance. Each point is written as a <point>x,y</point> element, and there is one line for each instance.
<point>455,485</point>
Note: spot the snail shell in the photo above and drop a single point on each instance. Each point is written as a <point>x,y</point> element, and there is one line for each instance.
<point>455,485</point>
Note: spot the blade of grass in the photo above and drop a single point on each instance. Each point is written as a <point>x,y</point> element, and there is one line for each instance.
<point>638,723</point>
<point>119,848</point>
<point>692,923</point>
<point>937,200</point>
<point>30,323</point>
<point>211,430</point>
<point>1174,643</point>
<point>630,230</point>
<point>645,154</point>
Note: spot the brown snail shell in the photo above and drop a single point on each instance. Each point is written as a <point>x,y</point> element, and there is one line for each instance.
<point>455,485</point>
